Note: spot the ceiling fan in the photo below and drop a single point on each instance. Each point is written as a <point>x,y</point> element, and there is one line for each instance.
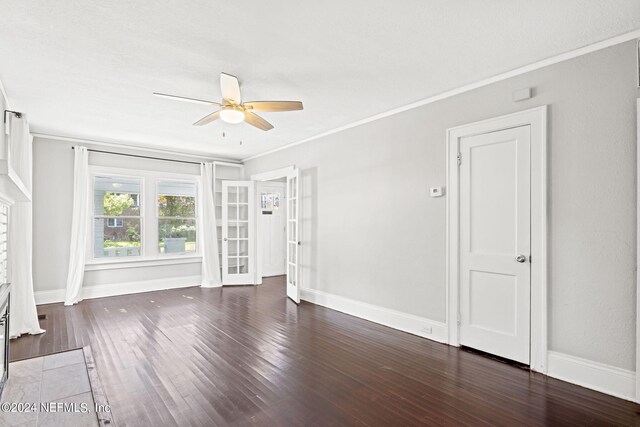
<point>233,110</point>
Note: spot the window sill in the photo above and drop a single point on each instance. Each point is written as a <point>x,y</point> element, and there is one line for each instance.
<point>136,263</point>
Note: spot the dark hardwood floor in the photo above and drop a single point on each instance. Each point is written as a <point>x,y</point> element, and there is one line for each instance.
<point>248,356</point>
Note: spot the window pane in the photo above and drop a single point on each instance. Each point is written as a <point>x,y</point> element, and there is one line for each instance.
<point>177,236</point>
<point>114,196</point>
<point>177,199</point>
<point>116,237</point>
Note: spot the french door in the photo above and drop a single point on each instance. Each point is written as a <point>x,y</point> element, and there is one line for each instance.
<point>293,238</point>
<point>238,233</point>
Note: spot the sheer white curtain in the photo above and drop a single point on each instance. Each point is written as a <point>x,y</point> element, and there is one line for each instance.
<point>79,218</point>
<point>24,318</point>
<point>208,233</point>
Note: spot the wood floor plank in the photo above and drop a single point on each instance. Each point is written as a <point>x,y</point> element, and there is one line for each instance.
<point>248,356</point>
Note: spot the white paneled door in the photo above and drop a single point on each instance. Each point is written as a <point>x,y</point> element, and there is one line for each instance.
<point>273,228</point>
<point>495,243</point>
<point>293,238</point>
<point>238,233</point>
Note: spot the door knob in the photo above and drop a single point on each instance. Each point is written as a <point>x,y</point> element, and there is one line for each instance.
<point>225,239</point>
<point>521,258</point>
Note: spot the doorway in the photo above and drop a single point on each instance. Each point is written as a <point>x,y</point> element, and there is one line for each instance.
<point>272,221</point>
<point>496,237</point>
<point>289,206</point>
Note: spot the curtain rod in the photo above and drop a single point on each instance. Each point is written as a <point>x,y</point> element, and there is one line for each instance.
<point>16,113</point>
<point>139,156</point>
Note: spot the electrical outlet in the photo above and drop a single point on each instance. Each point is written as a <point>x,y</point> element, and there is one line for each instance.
<point>427,329</point>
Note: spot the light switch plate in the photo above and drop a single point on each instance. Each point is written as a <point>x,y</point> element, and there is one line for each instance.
<point>436,191</point>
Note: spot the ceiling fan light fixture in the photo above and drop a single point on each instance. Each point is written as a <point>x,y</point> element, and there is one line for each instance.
<point>232,115</point>
<point>233,110</point>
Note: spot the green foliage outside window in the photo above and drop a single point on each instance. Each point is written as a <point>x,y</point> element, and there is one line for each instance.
<point>118,204</point>
<point>180,206</point>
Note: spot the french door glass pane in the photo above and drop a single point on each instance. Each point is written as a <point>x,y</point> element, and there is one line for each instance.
<point>232,194</point>
<point>243,247</point>
<point>292,273</point>
<point>292,232</point>
<point>243,265</point>
<point>243,195</point>
<point>233,266</point>
<point>243,213</point>
<point>232,212</point>
<point>292,252</point>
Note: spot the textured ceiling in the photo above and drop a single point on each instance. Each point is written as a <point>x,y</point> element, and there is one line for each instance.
<point>87,69</point>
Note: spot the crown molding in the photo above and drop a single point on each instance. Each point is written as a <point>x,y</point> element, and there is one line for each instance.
<point>466,88</point>
<point>129,146</point>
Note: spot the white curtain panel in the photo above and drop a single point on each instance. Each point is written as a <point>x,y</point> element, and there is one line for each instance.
<point>79,218</point>
<point>24,317</point>
<point>208,232</point>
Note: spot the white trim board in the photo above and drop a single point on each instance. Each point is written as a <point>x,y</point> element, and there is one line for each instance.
<point>274,174</point>
<point>466,88</point>
<point>416,325</point>
<point>536,118</point>
<point>125,288</point>
<point>637,387</point>
<point>96,266</point>
<point>199,156</point>
<point>596,376</point>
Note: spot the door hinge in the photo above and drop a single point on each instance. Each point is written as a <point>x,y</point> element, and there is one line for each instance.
<point>459,159</point>
<point>529,259</point>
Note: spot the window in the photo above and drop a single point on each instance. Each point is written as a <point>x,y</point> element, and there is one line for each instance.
<point>116,217</point>
<point>176,216</point>
<point>115,222</point>
<point>142,216</point>
<point>270,201</point>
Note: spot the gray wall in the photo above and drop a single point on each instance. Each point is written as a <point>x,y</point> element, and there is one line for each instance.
<point>371,232</point>
<point>52,202</point>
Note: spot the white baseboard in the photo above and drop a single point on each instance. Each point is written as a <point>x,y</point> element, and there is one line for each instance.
<point>416,325</point>
<point>48,297</point>
<point>596,376</point>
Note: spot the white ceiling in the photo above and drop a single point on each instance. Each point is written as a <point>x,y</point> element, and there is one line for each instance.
<point>87,69</point>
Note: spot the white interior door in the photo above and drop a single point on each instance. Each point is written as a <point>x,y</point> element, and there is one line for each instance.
<point>273,226</point>
<point>495,228</point>
<point>293,238</point>
<point>238,233</point>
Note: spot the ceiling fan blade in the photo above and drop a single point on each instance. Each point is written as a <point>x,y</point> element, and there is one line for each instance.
<point>183,98</point>
<point>273,105</point>
<point>257,121</point>
<point>208,118</point>
<point>230,88</point>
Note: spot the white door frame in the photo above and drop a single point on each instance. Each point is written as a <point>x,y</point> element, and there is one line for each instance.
<point>265,176</point>
<point>637,397</point>
<point>537,119</point>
